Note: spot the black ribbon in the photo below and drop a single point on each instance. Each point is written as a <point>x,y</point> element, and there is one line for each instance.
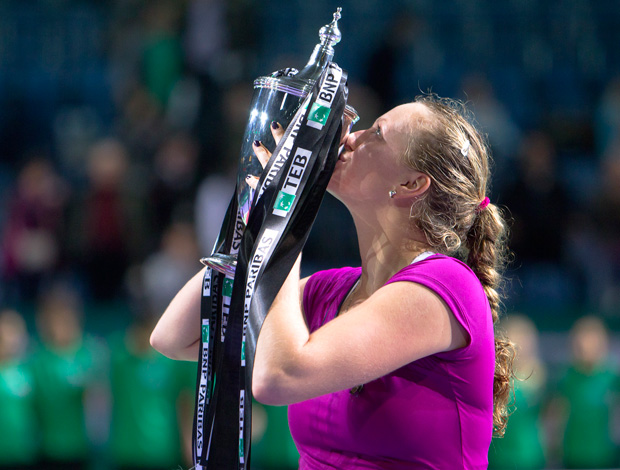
<point>283,211</point>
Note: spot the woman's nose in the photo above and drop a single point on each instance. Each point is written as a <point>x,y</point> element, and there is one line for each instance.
<point>353,140</point>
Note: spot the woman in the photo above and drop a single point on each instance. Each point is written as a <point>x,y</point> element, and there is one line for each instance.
<point>392,365</point>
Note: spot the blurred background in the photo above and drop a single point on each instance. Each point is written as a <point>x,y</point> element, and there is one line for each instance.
<point>120,127</point>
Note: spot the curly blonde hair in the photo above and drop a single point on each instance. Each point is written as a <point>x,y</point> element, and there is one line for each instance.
<point>456,157</point>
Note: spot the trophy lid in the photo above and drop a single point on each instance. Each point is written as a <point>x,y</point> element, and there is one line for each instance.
<point>300,83</point>
<point>330,34</point>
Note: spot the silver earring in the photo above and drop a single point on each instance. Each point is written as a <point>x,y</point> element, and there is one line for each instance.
<point>392,193</point>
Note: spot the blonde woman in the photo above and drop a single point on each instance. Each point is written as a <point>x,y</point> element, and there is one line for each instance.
<point>394,364</point>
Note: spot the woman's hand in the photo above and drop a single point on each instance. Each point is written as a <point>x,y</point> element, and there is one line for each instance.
<point>277,131</point>
<point>261,152</point>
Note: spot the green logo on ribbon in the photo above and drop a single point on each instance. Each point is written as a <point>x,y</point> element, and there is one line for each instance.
<point>205,333</point>
<point>228,286</point>
<point>284,201</point>
<point>319,113</point>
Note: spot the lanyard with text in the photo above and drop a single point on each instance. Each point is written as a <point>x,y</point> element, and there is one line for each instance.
<point>214,310</point>
<point>290,192</point>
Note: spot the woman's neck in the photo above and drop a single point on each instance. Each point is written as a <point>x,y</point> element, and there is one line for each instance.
<point>385,252</point>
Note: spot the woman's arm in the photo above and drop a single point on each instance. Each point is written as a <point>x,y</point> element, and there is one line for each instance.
<point>177,334</point>
<point>398,324</point>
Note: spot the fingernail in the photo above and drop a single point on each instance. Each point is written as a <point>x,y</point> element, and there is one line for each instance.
<point>274,125</point>
<point>257,143</point>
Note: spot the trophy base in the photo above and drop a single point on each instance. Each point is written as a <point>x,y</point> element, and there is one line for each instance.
<point>226,264</point>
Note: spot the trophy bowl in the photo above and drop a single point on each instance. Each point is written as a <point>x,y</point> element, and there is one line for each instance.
<point>277,98</point>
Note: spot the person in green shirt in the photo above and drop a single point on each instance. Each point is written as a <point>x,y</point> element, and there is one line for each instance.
<point>151,396</point>
<point>162,54</point>
<point>589,393</point>
<point>18,428</point>
<point>522,446</point>
<point>65,369</point>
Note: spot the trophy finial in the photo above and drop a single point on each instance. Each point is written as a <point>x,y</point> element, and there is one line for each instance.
<point>330,34</point>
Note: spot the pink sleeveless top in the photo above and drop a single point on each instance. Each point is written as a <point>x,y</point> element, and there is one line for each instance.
<point>434,413</point>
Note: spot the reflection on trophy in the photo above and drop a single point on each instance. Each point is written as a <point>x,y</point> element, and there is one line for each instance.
<point>276,98</point>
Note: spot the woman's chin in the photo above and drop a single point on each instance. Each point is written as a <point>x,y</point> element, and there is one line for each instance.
<point>333,187</point>
<point>336,189</point>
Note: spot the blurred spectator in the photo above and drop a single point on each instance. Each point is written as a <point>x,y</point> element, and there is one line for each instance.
<point>18,427</point>
<point>522,447</point>
<point>385,63</point>
<point>607,117</point>
<point>234,120</point>
<point>589,395</point>
<point>107,221</point>
<point>125,42</point>
<point>406,48</point>
<point>211,204</point>
<point>210,64</point>
<point>171,195</point>
<point>167,270</point>
<point>273,447</point>
<point>140,124</point>
<point>31,240</point>
<point>162,57</point>
<point>496,121</point>
<point>75,129</point>
<point>149,394</point>
<point>538,201</point>
<point>217,187</point>
<point>206,36</point>
<point>605,216</point>
<point>66,368</point>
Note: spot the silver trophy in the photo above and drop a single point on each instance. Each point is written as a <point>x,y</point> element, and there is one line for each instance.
<point>277,98</point>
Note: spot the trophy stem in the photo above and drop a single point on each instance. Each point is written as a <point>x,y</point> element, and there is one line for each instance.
<point>226,264</point>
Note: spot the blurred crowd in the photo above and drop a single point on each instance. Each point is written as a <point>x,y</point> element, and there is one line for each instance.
<point>70,400</point>
<point>73,401</point>
<point>566,414</point>
<point>120,127</point>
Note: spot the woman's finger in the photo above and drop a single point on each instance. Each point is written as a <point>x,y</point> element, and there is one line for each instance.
<point>252,181</point>
<point>277,131</point>
<point>262,153</point>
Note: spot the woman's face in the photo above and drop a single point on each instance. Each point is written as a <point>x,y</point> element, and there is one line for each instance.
<point>371,164</point>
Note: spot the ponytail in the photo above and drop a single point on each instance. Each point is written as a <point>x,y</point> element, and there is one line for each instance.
<point>487,257</point>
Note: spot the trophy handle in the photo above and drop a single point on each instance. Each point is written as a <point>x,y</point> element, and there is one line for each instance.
<point>226,264</point>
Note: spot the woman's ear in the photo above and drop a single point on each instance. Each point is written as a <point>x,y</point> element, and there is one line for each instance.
<point>414,187</point>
